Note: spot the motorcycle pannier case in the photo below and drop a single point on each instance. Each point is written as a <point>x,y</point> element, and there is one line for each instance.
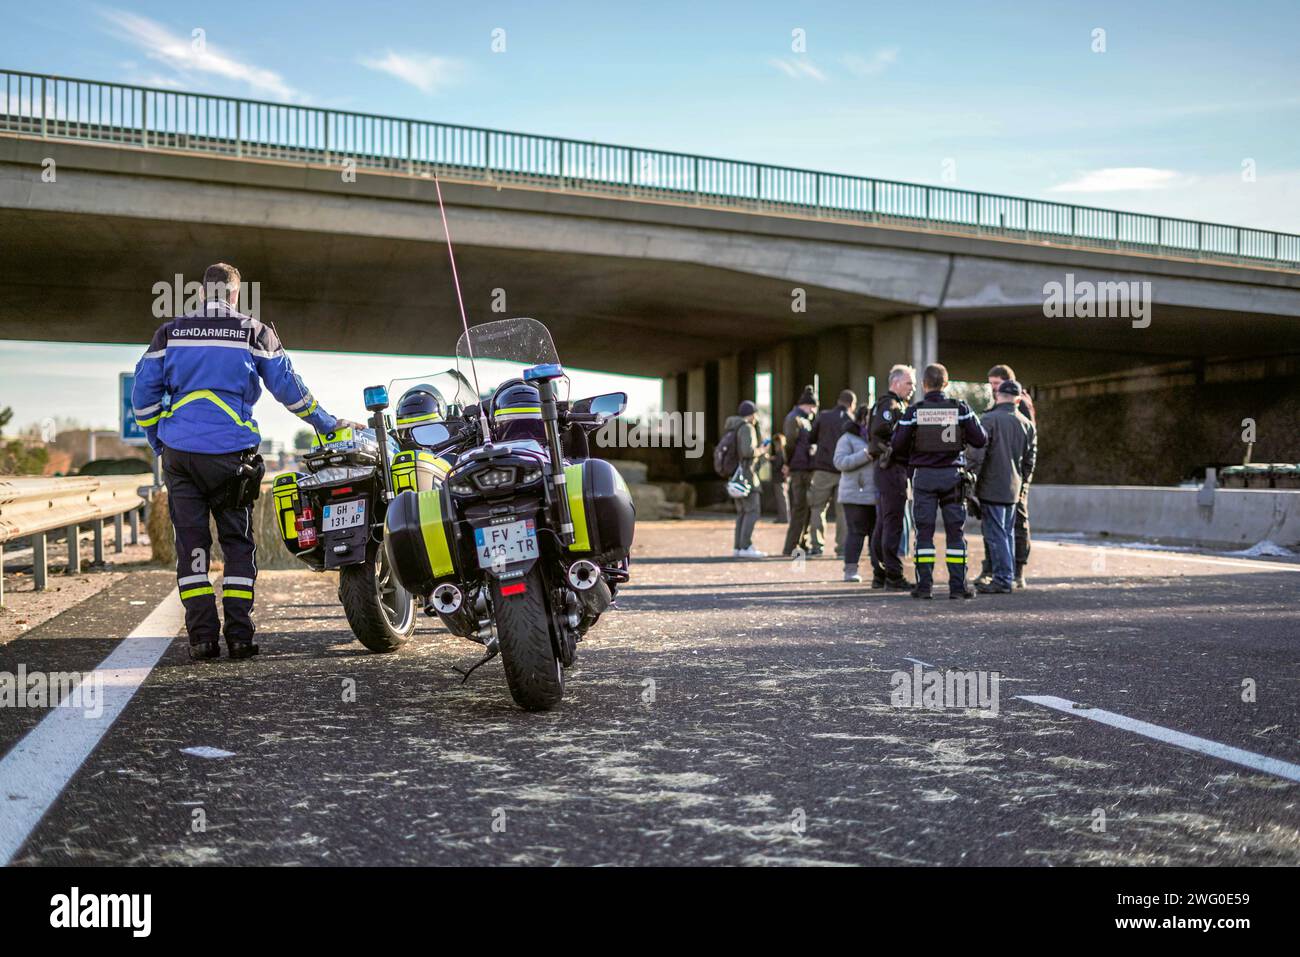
<point>601,505</point>
<point>417,471</point>
<point>419,539</point>
<point>288,503</point>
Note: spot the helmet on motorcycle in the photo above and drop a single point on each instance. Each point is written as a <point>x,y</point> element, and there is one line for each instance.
<point>419,405</point>
<point>517,413</point>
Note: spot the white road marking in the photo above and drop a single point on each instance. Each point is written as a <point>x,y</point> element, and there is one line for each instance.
<point>35,772</point>
<point>918,661</point>
<point>1185,557</point>
<point>203,751</point>
<point>1258,762</point>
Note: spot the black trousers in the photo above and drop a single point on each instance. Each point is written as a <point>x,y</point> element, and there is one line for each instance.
<point>860,520</point>
<point>1022,528</point>
<point>891,483</point>
<point>932,490</point>
<point>796,535</point>
<point>194,482</point>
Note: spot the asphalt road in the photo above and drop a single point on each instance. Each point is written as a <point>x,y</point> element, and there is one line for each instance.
<point>726,713</point>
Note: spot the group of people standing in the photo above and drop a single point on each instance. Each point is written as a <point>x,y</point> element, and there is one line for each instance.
<point>870,460</point>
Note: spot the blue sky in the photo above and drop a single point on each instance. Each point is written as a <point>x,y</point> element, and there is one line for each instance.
<point>1001,97</point>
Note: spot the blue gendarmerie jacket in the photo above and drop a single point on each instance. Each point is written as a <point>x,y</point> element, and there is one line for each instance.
<point>196,386</point>
<point>905,434</point>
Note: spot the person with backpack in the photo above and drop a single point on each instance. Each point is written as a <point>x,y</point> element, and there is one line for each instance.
<point>736,457</point>
<point>797,429</point>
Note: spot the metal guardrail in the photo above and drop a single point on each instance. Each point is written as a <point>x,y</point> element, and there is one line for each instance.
<point>31,507</point>
<point>65,108</point>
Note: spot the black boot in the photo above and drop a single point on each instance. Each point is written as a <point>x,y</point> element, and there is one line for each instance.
<point>204,650</point>
<point>897,584</point>
<point>241,649</point>
<point>966,592</point>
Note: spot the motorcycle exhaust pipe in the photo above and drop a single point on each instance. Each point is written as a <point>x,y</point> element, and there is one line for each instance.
<point>583,575</point>
<point>596,598</point>
<point>447,599</point>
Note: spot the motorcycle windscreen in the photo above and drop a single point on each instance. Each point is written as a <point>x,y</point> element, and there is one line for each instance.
<point>493,352</point>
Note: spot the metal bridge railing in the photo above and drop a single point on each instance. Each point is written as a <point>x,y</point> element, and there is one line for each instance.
<point>63,108</point>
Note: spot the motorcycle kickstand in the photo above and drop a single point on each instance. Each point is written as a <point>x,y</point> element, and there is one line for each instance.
<point>493,650</point>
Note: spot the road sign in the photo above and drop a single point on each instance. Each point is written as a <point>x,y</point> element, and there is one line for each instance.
<point>128,431</point>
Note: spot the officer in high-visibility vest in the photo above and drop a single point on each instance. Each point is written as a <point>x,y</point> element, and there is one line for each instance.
<point>194,393</point>
<point>932,437</point>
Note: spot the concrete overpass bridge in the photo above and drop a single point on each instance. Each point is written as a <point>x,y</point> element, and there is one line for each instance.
<point>701,271</point>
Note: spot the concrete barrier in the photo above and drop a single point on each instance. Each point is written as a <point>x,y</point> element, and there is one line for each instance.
<point>1217,517</point>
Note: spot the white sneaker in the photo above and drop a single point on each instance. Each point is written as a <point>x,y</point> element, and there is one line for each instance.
<point>750,552</point>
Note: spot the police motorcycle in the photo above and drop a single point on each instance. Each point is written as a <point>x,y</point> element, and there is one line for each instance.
<point>331,516</point>
<point>521,548</point>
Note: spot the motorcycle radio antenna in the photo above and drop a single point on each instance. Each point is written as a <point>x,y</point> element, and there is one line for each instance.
<point>460,301</point>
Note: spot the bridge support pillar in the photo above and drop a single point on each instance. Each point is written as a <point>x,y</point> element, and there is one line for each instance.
<point>729,389</point>
<point>913,339</point>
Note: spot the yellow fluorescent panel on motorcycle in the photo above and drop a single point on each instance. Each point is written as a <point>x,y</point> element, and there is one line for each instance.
<point>577,508</point>
<point>342,435</point>
<point>286,500</point>
<point>417,471</point>
<point>434,531</point>
<point>404,471</point>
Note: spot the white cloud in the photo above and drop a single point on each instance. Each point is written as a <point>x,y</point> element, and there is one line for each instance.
<point>1117,179</point>
<point>425,72</point>
<point>180,54</point>
<point>797,68</point>
<point>1271,202</point>
<point>874,65</point>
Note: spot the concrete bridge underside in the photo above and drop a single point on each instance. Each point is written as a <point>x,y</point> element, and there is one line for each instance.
<point>626,286</point>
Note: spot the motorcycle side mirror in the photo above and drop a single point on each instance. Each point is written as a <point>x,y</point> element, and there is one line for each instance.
<point>609,405</point>
<point>430,435</point>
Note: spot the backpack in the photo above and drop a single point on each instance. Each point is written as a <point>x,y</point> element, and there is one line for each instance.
<point>726,454</point>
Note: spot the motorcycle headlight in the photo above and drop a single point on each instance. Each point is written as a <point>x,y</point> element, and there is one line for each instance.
<point>495,478</point>
<point>530,476</point>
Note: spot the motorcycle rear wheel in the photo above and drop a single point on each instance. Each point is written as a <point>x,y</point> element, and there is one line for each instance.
<point>533,672</point>
<point>380,611</point>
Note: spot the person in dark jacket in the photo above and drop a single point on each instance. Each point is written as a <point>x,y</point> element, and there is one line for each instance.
<point>933,435</point>
<point>997,375</point>
<point>797,429</point>
<point>891,479</point>
<point>194,392</point>
<point>1004,466</point>
<point>749,452</point>
<point>780,484</point>
<point>826,431</point>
